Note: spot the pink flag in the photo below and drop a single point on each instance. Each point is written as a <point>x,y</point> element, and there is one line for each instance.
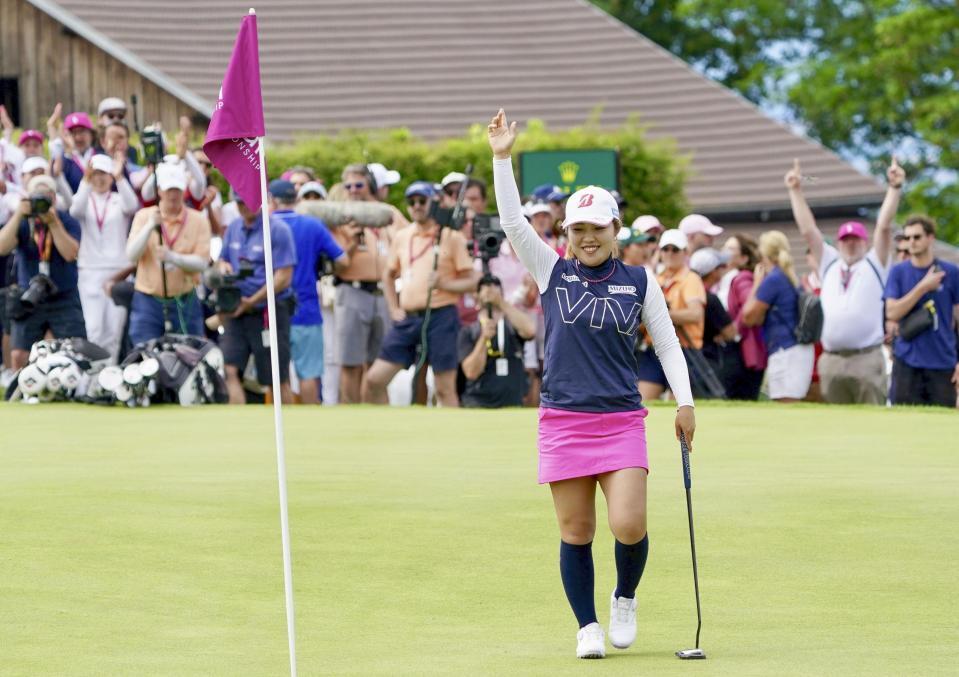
<point>236,126</point>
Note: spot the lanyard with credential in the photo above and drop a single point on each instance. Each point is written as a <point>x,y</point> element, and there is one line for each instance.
<point>170,241</point>
<point>100,218</point>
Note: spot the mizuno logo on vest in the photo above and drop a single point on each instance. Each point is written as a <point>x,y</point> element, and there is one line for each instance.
<point>626,321</point>
<point>622,289</point>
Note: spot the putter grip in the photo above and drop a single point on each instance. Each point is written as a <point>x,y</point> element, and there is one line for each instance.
<point>687,476</point>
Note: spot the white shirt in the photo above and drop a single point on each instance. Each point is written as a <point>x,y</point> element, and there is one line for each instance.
<point>104,225</point>
<point>852,301</point>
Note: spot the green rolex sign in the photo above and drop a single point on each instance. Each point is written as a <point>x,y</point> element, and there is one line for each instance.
<point>569,169</point>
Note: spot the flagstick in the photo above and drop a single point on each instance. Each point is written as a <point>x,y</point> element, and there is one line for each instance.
<point>277,413</point>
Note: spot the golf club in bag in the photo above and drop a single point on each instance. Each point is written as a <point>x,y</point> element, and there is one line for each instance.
<point>697,653</point>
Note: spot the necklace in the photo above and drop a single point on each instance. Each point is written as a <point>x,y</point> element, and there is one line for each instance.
<point>587,281</point>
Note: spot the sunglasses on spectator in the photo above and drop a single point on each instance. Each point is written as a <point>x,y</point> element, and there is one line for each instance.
<point>312,196</point>
<point>359,185</point>
<point>902,251</point>
<point>670,248</point>
<point>417,200</point>
<point>451,192</point>
<point>115,114</point>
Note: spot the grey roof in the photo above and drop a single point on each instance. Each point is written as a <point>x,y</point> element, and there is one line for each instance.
<point>437,66</point>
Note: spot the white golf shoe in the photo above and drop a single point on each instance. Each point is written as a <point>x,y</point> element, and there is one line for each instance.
<point>622,621</point>
<point>591,642</point>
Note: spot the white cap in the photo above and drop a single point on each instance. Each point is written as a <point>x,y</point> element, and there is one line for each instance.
<point>102,163</point>
<point>111,103</point>
<point>170,176</point>
<point>674,237</point>
<point>538,208</point>
<point>591,204</point>
<point>315,187</point>
<point>706,260</point>
<point>697,223</point>
<point>31,164</point>
<point>453,177</point>
<point>382,175</point>
<point>646,223</point>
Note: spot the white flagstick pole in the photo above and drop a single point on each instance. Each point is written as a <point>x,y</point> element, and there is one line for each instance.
<point>277,412</point>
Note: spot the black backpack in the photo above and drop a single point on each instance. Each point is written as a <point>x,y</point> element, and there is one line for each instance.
<point>809,326</point>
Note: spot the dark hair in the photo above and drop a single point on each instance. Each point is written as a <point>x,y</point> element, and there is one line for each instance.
<point>362,170</point>
<point>479,183</point>
<point>927,222</point>
<point>749,249</point>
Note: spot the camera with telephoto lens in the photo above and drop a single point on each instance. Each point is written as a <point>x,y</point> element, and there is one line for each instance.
<point>447,217</point>
<point>151,139</point>
<point>40,204</point>
<point>40,289</point>
<point>488,236</point>
<point>226,291</point>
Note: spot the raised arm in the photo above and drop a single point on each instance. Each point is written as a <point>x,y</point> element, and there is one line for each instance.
<point>802,213</point>
<point>882,237</point>
<point>538,257</point>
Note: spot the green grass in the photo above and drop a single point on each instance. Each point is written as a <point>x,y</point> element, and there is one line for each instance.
<point>147,543</point>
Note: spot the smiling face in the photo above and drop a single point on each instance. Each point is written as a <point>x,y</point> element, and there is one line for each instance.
<point>592,244</point>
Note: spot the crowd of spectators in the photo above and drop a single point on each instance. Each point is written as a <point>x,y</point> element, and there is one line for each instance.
<point>97,242</point>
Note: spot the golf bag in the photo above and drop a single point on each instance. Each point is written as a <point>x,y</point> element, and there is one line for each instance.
<point>58,370</point>
<point>174,368</point>
<point>702,378</point>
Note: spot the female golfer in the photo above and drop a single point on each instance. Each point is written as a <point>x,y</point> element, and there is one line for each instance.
<point>591,427</point>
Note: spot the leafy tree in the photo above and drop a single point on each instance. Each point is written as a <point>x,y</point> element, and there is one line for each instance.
<point>867,78</point>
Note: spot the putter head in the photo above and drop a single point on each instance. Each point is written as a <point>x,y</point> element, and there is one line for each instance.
<point>691,654</point>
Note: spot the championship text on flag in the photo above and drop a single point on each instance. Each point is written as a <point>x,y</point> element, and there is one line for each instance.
<point>236,125</point>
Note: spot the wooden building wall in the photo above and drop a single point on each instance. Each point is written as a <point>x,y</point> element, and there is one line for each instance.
<point>53,65</point>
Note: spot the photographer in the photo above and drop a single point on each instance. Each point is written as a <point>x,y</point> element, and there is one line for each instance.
<point>411,259</point>
<point>46,242</point>
<point>170,246</point>
<point>246,329</point>
<point>491,351</point>
<point>312,241</point>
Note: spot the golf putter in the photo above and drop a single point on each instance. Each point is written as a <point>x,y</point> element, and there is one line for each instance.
<point>697,653</point>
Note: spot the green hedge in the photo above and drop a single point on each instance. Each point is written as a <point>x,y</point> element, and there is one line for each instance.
<point>651,173</point>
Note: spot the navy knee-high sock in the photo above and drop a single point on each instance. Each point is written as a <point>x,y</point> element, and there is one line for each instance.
<point>630,562</point>
<point>576,569</point>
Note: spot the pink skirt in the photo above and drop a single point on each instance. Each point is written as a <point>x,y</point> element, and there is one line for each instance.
<point>582,444</point>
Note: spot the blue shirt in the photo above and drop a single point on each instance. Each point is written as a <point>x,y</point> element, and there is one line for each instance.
<point>589,363</point>
<point>779,327</point>
<point>312,240</point>
<point>242,243</point>
<point>63,273</point>
<point>934,348</point>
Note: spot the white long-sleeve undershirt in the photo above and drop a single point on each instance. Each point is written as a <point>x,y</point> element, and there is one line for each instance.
<point>540,259</point>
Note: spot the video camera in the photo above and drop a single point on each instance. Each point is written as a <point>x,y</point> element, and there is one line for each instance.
<point>488,237</point>
<point>226,292</point>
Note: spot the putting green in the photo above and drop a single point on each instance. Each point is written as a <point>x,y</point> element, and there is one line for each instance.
<point>147,542</point>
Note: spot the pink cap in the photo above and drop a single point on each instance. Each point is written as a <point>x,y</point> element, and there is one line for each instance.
<point>30,134</point>
<point>591,205</point>
<point>697,223</point>
<point>79,119</point>
<point>853,229</point>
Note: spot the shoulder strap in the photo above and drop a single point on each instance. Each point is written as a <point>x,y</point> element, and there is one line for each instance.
<point>876,271</point>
